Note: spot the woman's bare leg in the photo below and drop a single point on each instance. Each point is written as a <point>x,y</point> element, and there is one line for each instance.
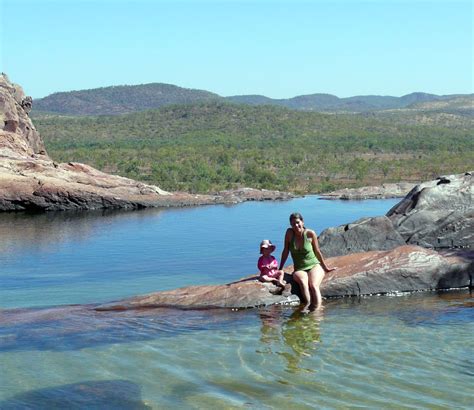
<point>315,277</point>
<point>281,278</point>
<point>301,278</point>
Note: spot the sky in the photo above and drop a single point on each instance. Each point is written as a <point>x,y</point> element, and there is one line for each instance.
<point>276,48</point>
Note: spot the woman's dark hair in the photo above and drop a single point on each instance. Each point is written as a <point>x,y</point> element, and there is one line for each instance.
<point>296,215</point>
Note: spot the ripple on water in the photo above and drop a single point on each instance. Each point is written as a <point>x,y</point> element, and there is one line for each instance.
<point>368,352</point>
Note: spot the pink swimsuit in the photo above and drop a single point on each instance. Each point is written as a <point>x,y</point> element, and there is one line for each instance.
<point>268,265</point>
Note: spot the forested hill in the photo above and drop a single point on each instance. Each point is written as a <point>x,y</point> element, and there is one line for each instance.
<point>119,99</point>
<point>213,146</point>
<point>331,103</point>
<point>124,99</point>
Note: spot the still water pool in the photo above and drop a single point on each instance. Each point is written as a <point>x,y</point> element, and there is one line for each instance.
<point>410,351</point>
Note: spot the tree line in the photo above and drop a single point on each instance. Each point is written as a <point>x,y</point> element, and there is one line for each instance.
<point>213,146</point>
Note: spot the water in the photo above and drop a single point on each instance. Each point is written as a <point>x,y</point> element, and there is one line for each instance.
<point>411,351</point>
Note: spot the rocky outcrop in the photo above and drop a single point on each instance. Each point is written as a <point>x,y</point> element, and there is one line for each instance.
<point>39,184</point>
<point>246,293</point>
<point>436,214</point>
<point>31,181</point>
<point>18,136</point>
<point>398,190</point>
<point>367,234</point>
<point>406,268</point>
<point>403,269</point>
<point>251,194</point>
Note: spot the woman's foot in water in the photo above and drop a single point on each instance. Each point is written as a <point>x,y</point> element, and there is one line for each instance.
<point>316,307</point>
<point>306,308</point>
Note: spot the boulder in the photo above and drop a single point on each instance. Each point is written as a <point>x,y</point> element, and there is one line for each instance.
<point>404,269</point>
<point>366,234</point>
<point>438,214</point>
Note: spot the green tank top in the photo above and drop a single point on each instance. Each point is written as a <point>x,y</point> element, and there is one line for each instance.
<point>304,258</point>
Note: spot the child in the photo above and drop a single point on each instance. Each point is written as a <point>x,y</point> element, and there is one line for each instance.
<point>268,265</point>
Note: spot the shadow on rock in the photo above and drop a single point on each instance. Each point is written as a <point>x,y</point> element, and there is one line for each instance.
<point>109,394</point>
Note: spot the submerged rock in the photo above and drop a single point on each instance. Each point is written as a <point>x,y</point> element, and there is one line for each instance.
<point>404,269</point>
<point>93,394</point>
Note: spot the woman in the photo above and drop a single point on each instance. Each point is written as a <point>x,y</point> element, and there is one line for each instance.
<point>309,264</point>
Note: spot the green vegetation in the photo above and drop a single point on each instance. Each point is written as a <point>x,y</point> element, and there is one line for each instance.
<point>213,146</point>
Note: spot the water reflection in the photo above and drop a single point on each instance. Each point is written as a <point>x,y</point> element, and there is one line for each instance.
<point>299,334</point>
<point>39,231</point>
<point>108,394</point>
<point>284,331</point>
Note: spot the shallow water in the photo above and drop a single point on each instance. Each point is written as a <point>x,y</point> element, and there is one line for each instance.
<point>409,351</point>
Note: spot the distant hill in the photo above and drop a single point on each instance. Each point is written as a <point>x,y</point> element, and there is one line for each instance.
<point>453,112</point>
<point>456,103</point>
<point>126,99</point>
<point>122,99</point>
<point>360,103</point>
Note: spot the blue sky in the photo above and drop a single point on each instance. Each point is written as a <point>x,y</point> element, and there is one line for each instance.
<point>276,48</point>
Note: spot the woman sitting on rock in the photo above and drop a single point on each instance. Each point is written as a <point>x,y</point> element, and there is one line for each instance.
<point>309,264</point>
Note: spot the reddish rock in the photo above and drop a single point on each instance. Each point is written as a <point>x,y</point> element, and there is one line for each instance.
<point>404,269</point>
<point>14,108</point>
<point>246,293</point>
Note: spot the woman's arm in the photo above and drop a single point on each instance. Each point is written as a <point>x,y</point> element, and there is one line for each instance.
<point>317,251</point>
<point>286,250</point>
